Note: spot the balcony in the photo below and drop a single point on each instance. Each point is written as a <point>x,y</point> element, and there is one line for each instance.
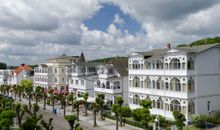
<point>174,72</point>
<point>166,93</point>
<point>111,90</point>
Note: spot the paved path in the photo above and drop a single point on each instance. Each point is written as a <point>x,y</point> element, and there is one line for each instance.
<point>86,122</point>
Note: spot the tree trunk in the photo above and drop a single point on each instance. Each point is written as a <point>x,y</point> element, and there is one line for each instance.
<point>120,117</point>
<point>44,104</point>
<point>86,109</point>
<point>20,98</point>
<point>101,114</point>
<point>19,122</point>
<point>77,113</point>
<point>53,104</point>
<point>116,123</point>
<point>29,100</point>
<point>64,110</point>
<point>72,105</point>
<point>95,123</point>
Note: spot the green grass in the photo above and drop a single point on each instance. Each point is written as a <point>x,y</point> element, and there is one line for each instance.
<point>191,127</point>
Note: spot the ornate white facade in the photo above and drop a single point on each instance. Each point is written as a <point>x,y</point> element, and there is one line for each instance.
<point>112,81</point>
<point>186,79</point>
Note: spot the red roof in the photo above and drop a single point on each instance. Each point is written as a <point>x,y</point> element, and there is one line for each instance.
<point>21,68</point>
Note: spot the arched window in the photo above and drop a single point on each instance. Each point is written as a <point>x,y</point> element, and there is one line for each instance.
<point>174,64</point>
<point>136,82</point>
<point>160,103</point>
<point>153,104</point>
<point>154,84</point>
<point>190,64</point>
<point>191,107</point>
<point>147,83</point>
<point>175,106</point>
<point>107,85</point>
<point>191,85</point>
<point>136,99</point>
<point>103,85</point>
<point>136,64</point>
<point>117,84</point>
<point>175,84</point>
<point>98,83</point>
<point>160,83</point>
<point>110,71</point>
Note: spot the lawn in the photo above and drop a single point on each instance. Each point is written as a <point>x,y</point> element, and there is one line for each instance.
<point>191,127</point>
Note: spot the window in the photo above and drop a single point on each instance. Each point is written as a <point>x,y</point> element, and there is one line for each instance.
<point>107,85</point>
<point>55,70</point>
<point>55,80</point>
<point>136,82</point>
<point>191,107</point>
<point>82,82</point>
<point>62,70</point>
<point>77,82</point>
<point>190,64</point>
<point>136,100</point>
<point>174,64</point>
<point>160,84</point>
<point>159,103</point>
<point>71,81</point>
<point>175,84</point>
<point>208,106</point>
<point>191,85</point>
<point>147,82</point>
<point>91,69</point>
<point>117,84</point>
<point>110,71</point>
<point>175,105</point>
<point>98,83</point>
<point>154,84</point>
<point>136,64</point>
<point>63,79</point>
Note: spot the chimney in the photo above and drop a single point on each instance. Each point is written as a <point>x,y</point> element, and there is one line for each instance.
<point>168,46</point>
<point>22,64</point>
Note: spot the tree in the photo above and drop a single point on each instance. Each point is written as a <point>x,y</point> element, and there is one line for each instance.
<point>20,90</point>
<point>76,106</point>
<point>63,103</point>
<point>70,98</point>
<point>145,113</point>
<point>85,97</point>
<point>71,119</point>
<point>100,102</point>
<point>120,101</point>
<point>44,99</point>
<point>6,117</point>
<point>47,126</point>
<point>3,65</point>
<point>19,112</point>
<point>125,111</point>
<point>95,109</point>
<point>28,88</point>
<point>31,122</point>
<point>116,110</point>
<point>38,93</point>
<point>179,119</point>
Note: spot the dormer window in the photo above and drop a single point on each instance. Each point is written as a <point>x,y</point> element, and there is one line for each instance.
<point>136,64</point>
<point>110,71</point>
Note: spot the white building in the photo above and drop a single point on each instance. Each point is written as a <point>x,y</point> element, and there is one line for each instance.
<point>22,72</point>
<point>53,72</point>
<point>6,77</point>
<point>81,78</point>
<point>185,79</point>
<point>113,80</point>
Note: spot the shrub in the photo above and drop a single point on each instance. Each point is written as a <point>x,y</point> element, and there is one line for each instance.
<point>199,121</point>
<point>126,111</point>
<point>137,114</point>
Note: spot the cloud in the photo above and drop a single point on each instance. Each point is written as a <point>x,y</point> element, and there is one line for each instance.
<point>118,20</point>
<point>32,31</point>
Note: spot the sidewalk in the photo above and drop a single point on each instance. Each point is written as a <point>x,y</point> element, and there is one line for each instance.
<point>86,121</point>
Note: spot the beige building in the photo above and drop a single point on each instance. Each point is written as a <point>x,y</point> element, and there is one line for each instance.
<point>53,72</point>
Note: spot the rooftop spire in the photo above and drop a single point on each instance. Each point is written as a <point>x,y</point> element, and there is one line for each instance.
<point>82,58</point>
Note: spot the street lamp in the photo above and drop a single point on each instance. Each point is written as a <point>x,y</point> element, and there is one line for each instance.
<point>156,125</point>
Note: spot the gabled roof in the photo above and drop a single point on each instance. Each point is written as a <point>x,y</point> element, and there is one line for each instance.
<point>21,68</point>
<point>187,49</point>
<point>64,56</point>
<point>121,65</point>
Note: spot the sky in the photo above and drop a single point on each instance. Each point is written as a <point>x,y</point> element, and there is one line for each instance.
<point>32,31</point>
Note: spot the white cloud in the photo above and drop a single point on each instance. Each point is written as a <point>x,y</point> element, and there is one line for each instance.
<point>32,31</point>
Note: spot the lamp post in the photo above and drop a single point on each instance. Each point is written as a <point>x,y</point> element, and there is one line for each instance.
<point>156,125</point>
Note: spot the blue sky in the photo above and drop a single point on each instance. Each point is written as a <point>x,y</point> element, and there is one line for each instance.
<point>104,17</point>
